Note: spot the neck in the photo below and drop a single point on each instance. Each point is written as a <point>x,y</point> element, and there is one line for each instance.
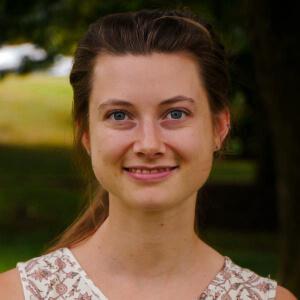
<point>148,244</point>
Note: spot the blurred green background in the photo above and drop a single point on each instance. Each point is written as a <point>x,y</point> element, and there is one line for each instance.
<point>250,204</point>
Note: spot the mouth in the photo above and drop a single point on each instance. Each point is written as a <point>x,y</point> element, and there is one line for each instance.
<point>150,174</point>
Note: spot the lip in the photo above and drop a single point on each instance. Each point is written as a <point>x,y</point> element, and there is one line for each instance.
<point>151,177</point>
<point>149,167</point>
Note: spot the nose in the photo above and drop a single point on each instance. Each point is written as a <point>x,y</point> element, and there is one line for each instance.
<point>149,142</point>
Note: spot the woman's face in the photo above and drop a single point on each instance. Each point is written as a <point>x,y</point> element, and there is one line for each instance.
<point>151,136</point>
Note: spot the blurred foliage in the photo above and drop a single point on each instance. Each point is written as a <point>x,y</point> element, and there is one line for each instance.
<point>58,24</point>
<point>39,185</point>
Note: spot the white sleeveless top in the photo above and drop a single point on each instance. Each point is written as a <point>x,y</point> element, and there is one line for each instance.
<point>58,275</point>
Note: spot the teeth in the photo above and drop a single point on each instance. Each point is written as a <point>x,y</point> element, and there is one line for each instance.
<point>146,171</point>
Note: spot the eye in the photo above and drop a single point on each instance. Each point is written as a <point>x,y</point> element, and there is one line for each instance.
<point>177,114</point>
<point>117,115</point>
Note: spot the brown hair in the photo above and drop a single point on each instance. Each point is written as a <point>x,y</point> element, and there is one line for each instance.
<point>137,33</point>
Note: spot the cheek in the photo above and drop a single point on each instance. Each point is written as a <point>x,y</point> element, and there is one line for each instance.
<point>108,147</point>
<point>194,143</point>
<point>106,151</point>
<point>195,150</point>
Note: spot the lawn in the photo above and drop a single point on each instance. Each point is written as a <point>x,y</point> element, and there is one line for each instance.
<point>35,110</point>
<point>39,183</point>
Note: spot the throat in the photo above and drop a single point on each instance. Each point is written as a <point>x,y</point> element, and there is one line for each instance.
<point>144,256</point>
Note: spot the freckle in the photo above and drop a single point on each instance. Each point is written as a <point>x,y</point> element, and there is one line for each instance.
<point>161,224</point>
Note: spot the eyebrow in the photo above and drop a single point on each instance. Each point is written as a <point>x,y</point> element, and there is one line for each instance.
<point>172,100</point>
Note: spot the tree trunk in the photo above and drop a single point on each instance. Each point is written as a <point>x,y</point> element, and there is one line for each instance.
<point>272,29</point>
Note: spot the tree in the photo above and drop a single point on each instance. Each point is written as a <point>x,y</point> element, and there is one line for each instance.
<point>272,30</point>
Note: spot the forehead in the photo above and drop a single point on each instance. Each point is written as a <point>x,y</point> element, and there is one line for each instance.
<point>156,75</point>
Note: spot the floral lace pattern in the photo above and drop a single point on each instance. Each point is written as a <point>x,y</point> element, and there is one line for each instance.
<point>58,276</point>
<point>236,283</point>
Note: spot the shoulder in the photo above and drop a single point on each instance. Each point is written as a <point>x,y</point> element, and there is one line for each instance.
<point>240,280</point>
<point>10,285</point>
<point>30,277</point>
<point>284,294</point>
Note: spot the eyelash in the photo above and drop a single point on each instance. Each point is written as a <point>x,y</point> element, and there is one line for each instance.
<point>111,113</point>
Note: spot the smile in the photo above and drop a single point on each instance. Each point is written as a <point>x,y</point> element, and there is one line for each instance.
<point>145,174</point>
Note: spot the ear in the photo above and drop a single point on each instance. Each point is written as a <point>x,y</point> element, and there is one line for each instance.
<point>221,127</point>
<point>85,140</point>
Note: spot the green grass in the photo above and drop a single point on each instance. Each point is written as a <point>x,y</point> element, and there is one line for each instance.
<point>38,184</point>
<point>35,110</point>
<point>233,172</point>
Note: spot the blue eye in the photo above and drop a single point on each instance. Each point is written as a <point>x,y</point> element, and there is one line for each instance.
<point>118,115</point>
<point>177,114</point>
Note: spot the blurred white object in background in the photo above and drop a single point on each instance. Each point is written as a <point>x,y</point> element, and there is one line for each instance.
<point>62,66</point>
<point>12,56</point>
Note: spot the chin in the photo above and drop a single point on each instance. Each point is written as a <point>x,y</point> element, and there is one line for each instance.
<point>152,202</point>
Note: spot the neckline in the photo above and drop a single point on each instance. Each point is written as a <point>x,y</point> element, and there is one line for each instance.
<point>100,294</point>
<point>90,283</point>
<point>217,278</point>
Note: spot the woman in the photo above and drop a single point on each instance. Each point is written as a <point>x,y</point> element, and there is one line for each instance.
<point>150,108</point>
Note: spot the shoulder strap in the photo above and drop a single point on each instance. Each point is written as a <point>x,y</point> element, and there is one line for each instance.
<point>272,290</point>
<point>55,276</point>
<point>24,280</point>
<point>236,282</point>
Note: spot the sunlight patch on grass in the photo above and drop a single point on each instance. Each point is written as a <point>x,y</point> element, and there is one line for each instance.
<point>35,110</point>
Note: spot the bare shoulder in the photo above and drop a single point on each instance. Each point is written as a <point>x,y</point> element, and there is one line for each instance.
<point>10,285</point>
<point>284,294</point>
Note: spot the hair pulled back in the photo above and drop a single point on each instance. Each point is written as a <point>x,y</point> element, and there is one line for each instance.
<point>137,33</point>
